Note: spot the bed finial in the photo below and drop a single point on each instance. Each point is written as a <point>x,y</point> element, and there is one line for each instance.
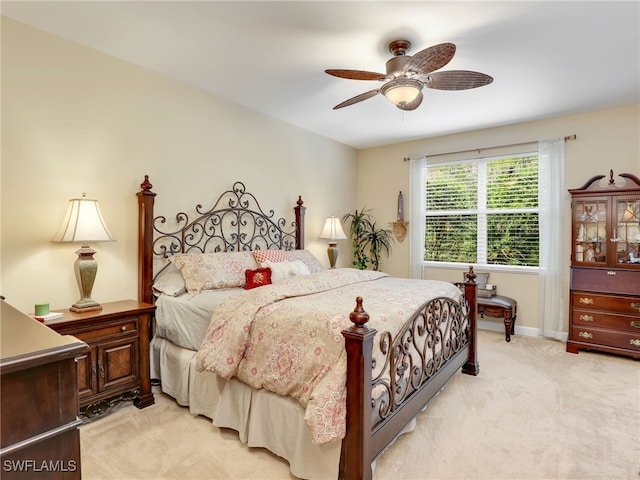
<point>359,317</point>
<point>146,185</point>
<point>471,276</point>
<point>299,202</point>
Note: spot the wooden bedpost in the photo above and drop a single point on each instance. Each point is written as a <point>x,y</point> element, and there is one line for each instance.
<point>299,209</point>
<point>355,456</point>
<point>472,367</point>
<point>145,241</point>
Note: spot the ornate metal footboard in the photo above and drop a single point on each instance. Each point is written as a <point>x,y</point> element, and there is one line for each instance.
<point>382,399</point>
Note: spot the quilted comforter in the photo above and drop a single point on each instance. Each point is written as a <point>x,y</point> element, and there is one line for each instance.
<point>286,337</point>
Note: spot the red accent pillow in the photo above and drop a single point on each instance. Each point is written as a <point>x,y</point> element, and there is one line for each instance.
<point>257,278</point>
<point>271,255</point>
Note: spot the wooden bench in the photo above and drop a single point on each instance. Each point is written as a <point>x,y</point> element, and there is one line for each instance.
<point>499,306</point>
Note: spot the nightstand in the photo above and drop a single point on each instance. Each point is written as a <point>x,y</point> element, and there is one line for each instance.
<point>115,366</point>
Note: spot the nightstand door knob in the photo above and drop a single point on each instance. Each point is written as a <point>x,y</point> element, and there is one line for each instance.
<point>123,328</point>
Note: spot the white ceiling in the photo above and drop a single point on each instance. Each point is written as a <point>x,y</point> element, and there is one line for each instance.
<point>547,58</point>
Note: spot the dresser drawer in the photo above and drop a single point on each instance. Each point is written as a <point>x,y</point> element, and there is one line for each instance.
<point>607,280</point>
<point>593,318</point>
<point>597,336</point>
<point>125,327</point>
<point>610,303</point>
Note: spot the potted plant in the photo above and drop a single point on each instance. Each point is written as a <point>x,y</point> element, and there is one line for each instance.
<point>368,241</point>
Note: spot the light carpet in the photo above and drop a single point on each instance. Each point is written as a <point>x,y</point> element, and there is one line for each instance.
<point>534,412</point>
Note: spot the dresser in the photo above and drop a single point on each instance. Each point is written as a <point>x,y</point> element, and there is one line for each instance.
<point>39,436</point>
<point>115,366</point>
<point>604,310</point>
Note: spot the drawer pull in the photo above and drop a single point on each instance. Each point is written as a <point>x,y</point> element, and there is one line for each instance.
<point>123,328</point>
<point>586,318</point>
<point>585,335</point>
<point>635,342</point>
<point>586,300</point>
<point>635,323</point>
<point>611,273</point>
<point>636,306</point>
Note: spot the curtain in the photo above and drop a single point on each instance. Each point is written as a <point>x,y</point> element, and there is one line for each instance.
<point>416,219</point>
<point>551,286</point>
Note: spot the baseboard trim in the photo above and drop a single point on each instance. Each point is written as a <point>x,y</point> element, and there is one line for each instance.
<point>498,326</point>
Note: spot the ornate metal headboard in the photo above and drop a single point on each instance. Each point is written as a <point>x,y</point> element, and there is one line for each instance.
<point>236,222</point>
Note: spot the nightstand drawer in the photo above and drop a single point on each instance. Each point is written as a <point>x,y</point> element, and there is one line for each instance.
<point>613,338</point>
<point>612,303</point>
<point>127,327</point>
<point>592,318</point>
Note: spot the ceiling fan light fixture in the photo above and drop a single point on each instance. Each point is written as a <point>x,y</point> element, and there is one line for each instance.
<point>401,90</point>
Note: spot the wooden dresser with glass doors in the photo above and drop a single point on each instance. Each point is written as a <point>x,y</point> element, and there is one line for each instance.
<point>604,311</point>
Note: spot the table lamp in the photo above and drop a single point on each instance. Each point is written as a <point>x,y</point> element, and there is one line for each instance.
<point>83,223</point>
<point>332,231</point>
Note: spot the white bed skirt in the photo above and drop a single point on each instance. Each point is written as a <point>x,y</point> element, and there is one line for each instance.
<point>261,418</point>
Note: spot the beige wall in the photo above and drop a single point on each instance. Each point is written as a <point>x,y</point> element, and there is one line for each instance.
<point>606,139</point>
<point>75,120</point>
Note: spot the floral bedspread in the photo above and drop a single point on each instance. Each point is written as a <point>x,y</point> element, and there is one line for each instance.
<point>287,338</point>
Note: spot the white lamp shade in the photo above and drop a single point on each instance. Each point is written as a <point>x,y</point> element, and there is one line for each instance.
<point>83,223</point>
<point>332,229</point>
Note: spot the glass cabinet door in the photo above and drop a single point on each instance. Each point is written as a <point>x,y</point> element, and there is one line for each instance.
<point>627,230</point>
<point>590,231</point>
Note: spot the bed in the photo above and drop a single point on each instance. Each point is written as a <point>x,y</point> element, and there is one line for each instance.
<point>231,346</point>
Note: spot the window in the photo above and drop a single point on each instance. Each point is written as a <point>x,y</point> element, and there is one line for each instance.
<point>483,211</point>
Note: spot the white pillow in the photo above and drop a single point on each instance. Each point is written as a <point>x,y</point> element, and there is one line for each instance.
<point>169,282</point>
<point>280,271</point>
<point>307,258</point>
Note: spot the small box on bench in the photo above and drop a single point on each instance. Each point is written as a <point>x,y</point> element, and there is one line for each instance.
<point>487,291</point>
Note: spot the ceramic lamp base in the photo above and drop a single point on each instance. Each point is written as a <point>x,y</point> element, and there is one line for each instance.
<point>332,252</point>
<point>86,268</point>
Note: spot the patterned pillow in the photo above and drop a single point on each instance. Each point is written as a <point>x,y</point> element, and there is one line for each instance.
<point>257,278</point>
<point>209,271</point>
<point>307,258</point>
<point>271,255</point>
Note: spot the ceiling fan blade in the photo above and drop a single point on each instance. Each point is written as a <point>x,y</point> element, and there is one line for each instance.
<point>430,59</point>
<point>456,80</point>
<point>356,74</point>
<point>412,105</point>
<point>357,98</point>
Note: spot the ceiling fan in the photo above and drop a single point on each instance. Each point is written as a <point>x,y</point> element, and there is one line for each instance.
<point>407,74</point>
